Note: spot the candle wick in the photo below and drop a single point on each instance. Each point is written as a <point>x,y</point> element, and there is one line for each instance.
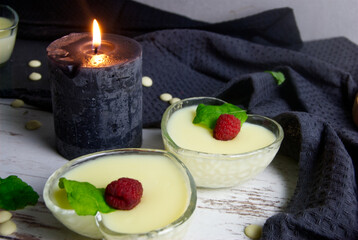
<point>95,50</point>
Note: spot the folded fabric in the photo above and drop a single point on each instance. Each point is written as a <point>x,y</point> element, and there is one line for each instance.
<point>313,105</point>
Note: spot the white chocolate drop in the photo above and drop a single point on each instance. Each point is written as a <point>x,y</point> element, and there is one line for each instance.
<point>5,216</point>
<point>33,124</point>
<point>7,228</point>
<point>174,100</point>
<point>166,97</point>
<point>17,103</point>
<point>253,231</point>
<point>34,63</point>
<point>147,81</point>
<point>35,76</point>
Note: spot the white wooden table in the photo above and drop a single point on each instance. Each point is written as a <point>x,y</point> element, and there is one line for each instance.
<point>220,214</point>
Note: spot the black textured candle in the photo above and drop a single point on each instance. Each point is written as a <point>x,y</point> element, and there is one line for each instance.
<point>96,98</point>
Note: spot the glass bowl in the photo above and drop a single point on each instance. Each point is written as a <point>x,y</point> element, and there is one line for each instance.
<point>94,226</point>
<point>9,24</point>
<point>212,170</point>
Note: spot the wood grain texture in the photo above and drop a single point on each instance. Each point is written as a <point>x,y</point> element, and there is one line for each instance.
<point>220,214</point>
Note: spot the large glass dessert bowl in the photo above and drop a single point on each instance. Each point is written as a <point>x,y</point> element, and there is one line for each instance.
<point>168,201</point>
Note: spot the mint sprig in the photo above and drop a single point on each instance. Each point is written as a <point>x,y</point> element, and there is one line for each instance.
<point>279,76</point>
<point>16,194</point>
<point>207,115</point>
<point>85,198</point>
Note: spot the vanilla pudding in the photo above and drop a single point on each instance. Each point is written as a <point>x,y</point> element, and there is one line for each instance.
<point>199,138</point>
<point>168,192</point>
<point>8,29</point>
<point>214,163</point>
<point>165,192</point>
<point>7,40</point>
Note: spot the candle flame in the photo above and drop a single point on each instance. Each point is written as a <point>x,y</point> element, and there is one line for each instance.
<point>96,42</point>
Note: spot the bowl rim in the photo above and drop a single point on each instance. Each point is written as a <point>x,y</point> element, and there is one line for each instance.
<point>16,17</point>
<point>221,156</point>
<point>192,195</point>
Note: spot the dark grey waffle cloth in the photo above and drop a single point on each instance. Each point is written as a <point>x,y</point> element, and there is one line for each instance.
<point>228,61</point>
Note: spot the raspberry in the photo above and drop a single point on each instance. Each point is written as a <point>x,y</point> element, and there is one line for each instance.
<point>124,193</point>
<point>227,127</point>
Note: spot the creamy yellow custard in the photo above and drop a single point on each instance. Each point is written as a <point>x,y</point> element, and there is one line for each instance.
<point>199,138</point>
<point>7,40</point>
<point>165,190</point>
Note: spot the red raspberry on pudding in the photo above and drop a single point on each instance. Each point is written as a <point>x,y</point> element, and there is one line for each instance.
<point>124,193</point>
<point>227,127</point>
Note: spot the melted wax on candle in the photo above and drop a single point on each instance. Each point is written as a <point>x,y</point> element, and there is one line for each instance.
<point>74,51</point>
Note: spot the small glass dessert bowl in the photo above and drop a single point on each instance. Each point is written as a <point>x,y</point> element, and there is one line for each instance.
<point>9,20</point>
<point>215,163</point>
<point>164,211</point>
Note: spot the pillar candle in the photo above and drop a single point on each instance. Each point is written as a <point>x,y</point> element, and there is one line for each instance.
<point>96,94</point>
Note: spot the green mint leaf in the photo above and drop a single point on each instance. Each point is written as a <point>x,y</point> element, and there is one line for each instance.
<point>209,114</point>
<point>280,78</point>
<point>16,194</point>
<point>85,198</point>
